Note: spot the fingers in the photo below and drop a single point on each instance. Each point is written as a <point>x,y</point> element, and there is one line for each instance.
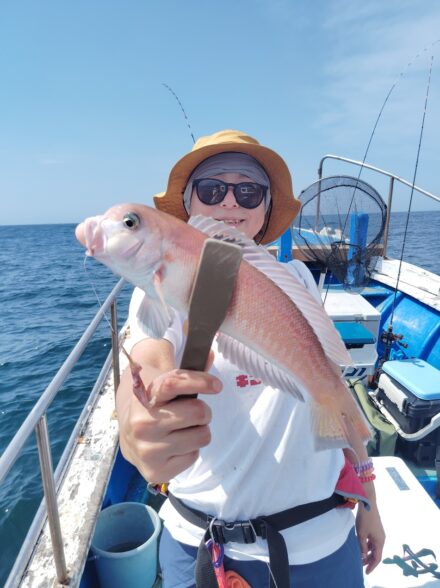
<point>372,557</point>
<point>164,431</point>
<point>177,382</point>
<point>162,451</point>
<point>163,419</point>
<point>363,545</point>
<point>371,552</point>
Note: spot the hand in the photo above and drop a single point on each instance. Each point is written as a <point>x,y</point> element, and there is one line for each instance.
<point>371,536</point>
<point>163,436</point>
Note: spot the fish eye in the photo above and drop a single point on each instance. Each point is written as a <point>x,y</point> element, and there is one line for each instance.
<point>131,220</point>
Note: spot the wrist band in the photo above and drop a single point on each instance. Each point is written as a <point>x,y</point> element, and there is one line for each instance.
<point>363,466</point>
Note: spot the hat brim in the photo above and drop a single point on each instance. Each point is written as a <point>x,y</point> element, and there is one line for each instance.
<point>284,205</point>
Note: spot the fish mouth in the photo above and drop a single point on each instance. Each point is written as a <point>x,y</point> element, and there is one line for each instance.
<point>93,236</point>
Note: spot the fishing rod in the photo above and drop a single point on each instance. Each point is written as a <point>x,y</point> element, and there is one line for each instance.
<point>401,75</point>
<point>388,337</point>
<point>412,189</point>
<point>181,108</point>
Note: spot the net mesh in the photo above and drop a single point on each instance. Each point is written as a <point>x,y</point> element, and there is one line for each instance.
<point>341,227</point>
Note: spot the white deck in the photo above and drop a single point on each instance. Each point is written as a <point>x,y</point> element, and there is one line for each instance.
<point>410,517</point>
<point>414,281</point>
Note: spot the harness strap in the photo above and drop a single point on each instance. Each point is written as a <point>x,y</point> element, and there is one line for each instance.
<point>267,527</point>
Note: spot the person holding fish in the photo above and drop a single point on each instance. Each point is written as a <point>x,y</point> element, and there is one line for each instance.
<point>263,462</point>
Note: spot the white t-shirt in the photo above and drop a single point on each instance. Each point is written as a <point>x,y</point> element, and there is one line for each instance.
<point>261,459</point>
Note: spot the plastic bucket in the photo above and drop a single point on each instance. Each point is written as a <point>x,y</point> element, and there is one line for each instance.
<point>125,545</point>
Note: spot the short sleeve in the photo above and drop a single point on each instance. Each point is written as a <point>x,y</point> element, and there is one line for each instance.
<point>304,275</point>
<point>174,333</point>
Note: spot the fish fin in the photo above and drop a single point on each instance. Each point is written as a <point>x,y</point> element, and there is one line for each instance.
<point>153,317</point>
<point>256,365</point>
<point>264,262</point>
<point>153,314</point>
<point>340,424</point>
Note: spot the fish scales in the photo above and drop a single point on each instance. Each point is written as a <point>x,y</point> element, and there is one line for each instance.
<point>281,333</point>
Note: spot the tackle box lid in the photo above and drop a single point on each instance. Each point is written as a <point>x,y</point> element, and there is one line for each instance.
<point>354,333</point>
<point>417,376</point>
<point>348,306</point>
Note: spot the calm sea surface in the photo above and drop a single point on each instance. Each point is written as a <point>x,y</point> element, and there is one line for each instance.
<point>46,301</point>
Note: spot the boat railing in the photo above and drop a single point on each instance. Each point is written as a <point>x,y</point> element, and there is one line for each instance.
<point>393,178</point>
<point>36,421</point>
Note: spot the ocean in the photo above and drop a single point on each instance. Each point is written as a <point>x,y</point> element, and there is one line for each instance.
<point>47,299</point>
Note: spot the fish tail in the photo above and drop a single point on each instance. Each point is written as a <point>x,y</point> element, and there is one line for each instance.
<point>335,426</point>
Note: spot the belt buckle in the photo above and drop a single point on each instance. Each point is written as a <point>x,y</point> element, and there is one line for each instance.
<point>238,532</point>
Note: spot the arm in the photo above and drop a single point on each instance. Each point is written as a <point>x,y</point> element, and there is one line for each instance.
<point>163,438</point>
<point>369,529</point>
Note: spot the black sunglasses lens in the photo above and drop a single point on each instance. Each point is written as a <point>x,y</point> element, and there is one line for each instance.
<point>249,195</point>
<point>211,191</point>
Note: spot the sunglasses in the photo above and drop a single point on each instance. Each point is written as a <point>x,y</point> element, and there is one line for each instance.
<point>247,194</point>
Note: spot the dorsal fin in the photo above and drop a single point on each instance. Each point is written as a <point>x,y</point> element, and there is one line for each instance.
<point>218,229</point>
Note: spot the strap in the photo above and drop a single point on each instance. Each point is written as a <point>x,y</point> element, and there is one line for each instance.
<point>267,527</point>
<point>204,574</point>
<point>278,558</point>
<point>302,513</point>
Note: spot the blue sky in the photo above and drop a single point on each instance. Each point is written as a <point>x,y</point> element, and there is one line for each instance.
<point>85,121</point>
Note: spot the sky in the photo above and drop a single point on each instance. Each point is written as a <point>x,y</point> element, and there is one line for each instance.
<point>86,122</point>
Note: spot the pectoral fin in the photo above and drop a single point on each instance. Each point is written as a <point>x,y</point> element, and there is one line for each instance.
<point>255,364</point>
<point>154,315</point>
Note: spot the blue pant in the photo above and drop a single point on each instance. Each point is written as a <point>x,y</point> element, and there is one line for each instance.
<point>343,568</point>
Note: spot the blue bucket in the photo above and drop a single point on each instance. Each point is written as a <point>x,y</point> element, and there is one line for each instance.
<point>125,545</point>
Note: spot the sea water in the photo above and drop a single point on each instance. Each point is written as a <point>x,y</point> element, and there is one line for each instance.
<point>47,299</point>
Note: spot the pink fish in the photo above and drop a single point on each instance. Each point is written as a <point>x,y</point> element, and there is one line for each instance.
<point>274,328</point>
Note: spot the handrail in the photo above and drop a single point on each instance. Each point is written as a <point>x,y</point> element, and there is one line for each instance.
<point>377,169</point>
<point>12,451</point>
<point>36,420</point>
<point>34,531</point>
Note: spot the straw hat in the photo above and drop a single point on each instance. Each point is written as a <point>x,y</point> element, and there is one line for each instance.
<point>284,205</point>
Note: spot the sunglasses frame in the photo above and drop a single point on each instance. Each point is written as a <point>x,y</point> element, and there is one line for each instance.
<point>234,189</point>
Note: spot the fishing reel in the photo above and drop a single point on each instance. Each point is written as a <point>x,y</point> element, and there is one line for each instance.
<point>388,338</point>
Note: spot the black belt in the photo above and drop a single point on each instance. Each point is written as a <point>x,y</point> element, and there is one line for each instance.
<point>267,527</point>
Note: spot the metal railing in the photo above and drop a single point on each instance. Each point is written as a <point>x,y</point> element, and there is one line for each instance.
<point>36,421</point>
<point>393,178</point>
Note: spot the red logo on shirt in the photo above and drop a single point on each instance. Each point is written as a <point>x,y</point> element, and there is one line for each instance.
<point>243,380</point>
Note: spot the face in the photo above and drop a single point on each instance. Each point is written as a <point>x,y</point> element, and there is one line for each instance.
<point>246,220</point>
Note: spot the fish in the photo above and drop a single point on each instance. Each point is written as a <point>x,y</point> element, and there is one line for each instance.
<point>274,328</point>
